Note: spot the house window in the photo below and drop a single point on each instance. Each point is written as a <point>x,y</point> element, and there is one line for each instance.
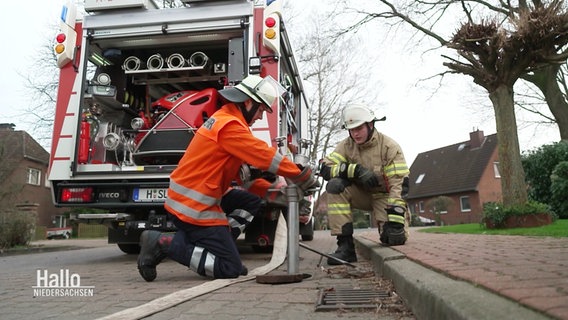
<point>496,169</point>
<point>421,206</point>
<point>34,176</point>
<point>464,204</point>
<point>420,177</point>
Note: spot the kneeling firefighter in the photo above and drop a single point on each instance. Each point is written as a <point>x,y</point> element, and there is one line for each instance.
<point>197,200</point>
<point>366,171</point>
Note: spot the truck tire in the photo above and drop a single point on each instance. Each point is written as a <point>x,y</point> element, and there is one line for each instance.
<point>262,249</point>
<point>307,230</point>
<point>129,248</point>
<point>307,237</point>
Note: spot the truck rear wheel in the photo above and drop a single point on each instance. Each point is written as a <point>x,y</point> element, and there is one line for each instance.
<point>262,249</point>
<point>307,230</point>
<point>129,248</point>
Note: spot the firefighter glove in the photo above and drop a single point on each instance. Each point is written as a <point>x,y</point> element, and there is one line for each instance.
<point>306,180</point>
<point>366,177</point>
<point>393,234</point>
<point>336,185</point>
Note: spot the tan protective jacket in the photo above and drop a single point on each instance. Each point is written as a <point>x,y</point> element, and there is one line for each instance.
<point>381,154</point>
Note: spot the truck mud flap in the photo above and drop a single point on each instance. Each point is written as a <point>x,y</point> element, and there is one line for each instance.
<point>124,236</point>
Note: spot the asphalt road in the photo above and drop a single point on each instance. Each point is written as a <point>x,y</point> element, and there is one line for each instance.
<point>116,286</point>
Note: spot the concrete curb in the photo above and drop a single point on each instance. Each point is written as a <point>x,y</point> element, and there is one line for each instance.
<point>431,295</point>
<point>54,245</point>
<point>36,249</point>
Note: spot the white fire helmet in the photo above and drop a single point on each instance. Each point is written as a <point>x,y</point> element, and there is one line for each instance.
<point>355,115</point>
<point>262,90</point>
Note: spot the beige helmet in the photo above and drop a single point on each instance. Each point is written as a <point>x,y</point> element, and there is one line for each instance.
<point>355,115</point>
<point>262,90</point>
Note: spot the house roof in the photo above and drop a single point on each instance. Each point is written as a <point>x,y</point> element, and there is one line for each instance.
<point>454,168</point>
<point>16,145</point>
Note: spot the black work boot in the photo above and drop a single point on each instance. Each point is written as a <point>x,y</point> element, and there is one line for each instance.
<point>154,247</point>
<point>345,251</point>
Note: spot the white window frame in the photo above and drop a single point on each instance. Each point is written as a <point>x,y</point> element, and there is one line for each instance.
<point>46,181</point>
<point>420,178</point>
<point>421,206</point>
<point>462,202</point>
<point>496,169</point>
<point>34,177</point>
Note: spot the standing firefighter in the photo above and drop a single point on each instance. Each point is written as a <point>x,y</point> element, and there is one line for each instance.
<point>366,171</point>
<point>204,241</point>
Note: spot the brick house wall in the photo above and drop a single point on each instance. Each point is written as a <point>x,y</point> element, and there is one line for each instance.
<point>19,153</point>
<point>462,170</point>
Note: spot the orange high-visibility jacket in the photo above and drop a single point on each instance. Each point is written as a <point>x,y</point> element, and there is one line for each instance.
<point>212,160</point>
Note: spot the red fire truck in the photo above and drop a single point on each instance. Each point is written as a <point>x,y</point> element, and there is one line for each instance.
<point>136,81</point>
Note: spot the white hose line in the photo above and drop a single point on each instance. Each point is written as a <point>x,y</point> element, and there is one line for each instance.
<point>173,299</point>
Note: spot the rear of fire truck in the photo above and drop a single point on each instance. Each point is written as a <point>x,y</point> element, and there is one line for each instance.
<point>137,81</point>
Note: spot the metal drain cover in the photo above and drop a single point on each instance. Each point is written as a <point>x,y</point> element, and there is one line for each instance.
<point>337,298</point>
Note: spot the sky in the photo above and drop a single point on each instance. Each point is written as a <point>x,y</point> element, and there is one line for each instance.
<point>416,118</point>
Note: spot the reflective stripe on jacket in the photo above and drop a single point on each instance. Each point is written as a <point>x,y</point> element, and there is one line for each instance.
<point>212,160</point>
<point>381,154</point>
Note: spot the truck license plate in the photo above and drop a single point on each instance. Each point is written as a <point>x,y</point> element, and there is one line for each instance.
<point>149,194</point>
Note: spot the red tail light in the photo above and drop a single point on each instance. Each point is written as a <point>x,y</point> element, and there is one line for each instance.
<point>270,22</point>
<point>78,195</point>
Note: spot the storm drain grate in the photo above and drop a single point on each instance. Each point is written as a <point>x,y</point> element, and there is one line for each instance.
<point>349,298</point>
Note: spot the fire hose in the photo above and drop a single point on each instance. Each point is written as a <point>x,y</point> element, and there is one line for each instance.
<point>285,238</point>
<point>175,298</point>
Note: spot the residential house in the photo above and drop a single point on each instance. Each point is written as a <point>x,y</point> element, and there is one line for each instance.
<point>23,175</point>
<point>451,184</point>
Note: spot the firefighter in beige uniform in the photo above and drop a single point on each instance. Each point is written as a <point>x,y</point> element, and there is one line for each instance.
<point>366,171</point>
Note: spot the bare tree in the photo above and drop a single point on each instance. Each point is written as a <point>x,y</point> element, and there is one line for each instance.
<point>41,83</point>
<point>335,77</point>
<point>551,81</point>
<point>10,189</point>
<point>495,52</point>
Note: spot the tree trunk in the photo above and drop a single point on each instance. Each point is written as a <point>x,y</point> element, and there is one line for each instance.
<point>513,184</point>
<point>546,80</point>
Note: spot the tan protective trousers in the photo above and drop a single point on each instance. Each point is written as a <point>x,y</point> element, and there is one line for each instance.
<point>339,208</point>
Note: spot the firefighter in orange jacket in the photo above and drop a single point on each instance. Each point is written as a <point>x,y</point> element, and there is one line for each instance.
<point>366,171</point>
<point>212,160</point>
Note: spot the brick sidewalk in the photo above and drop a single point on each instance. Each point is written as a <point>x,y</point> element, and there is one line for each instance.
<point>530,270</point>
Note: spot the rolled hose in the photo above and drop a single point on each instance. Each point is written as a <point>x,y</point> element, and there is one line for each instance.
<point>198,59</point>
<point>131,63</point>
<point>175,61</point>
<point>155,62</point>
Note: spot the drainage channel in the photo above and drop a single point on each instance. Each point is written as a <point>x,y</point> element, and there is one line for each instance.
<point>343,298</point>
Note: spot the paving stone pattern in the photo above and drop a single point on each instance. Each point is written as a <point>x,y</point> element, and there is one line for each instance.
<point>530,270</point>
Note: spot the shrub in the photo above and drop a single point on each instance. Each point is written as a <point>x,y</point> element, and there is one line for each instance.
<point>559,189</point>
<point>16,228</point>
<point>415,221</point>
<point>497,213</point>
<point>538,166</point>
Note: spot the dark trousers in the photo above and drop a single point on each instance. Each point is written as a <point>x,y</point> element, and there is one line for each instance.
<point>209,251</point>
<point>212,251</point>
<point>241,199</point>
